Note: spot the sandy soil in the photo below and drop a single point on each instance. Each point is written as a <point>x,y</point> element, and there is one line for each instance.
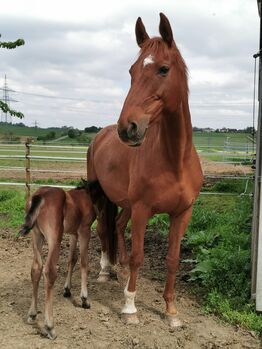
<point>101,326</point>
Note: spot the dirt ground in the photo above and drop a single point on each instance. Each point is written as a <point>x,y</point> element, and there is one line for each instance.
<point>101,326</point>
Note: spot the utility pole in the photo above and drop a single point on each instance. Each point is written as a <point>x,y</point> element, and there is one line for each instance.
<point>256,280</point>
<point>6,117</point>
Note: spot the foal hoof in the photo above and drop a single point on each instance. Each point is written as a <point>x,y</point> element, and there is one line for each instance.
<point>103,278</point>
<point>130,319</point>
<point>31,319</point>
<point>174,321</point>
<point>49,332</point>
<point>67,292</point>
<point>85,303</point>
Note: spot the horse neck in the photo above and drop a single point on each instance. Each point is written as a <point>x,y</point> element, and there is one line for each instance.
<point>176,136</point>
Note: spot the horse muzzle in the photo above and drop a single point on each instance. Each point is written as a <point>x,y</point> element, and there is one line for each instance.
<point>133,133</point>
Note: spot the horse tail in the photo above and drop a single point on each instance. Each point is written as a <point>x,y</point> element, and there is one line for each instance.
<point>108,212</point>
<point>31,215</point>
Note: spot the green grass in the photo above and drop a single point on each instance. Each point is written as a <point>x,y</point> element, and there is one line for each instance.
<point>12,204</point>
<point>215,140</point>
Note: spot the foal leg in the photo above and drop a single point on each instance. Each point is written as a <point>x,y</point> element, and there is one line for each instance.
<point>50,272</point>
<point>177,228</point>
<point>139,220</point>
<point>36,272</point>
<point>84,237</point>
<point>72,259</point>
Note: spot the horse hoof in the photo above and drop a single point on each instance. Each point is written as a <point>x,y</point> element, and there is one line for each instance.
<point>103,278</point>
<point>85,303</point>
<point>130,319</point>
<point>67,292</point>
<point>174,321</point>
<point>31,319</point>
<point>49,333</point>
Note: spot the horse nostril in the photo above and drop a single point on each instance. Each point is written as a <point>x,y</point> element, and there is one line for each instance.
<point>122,133</point>
<point>132,129</point>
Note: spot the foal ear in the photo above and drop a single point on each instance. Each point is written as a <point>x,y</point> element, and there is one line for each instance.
<point>141,34</point>
<point>165,30</point>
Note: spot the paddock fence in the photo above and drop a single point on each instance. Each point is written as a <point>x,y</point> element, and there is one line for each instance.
<point>32,165</point>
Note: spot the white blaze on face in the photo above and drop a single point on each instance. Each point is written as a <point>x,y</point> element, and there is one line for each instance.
<point>148,60</point>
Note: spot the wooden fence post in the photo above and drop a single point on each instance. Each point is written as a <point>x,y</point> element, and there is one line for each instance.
<point>27,167</point>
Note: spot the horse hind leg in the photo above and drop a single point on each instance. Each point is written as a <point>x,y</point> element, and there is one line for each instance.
<point>106,267</point>
<point>50,272</point>
<point>36,272</point>
<point>177,228</point>
<point>121,223</point>
<point>72,259</point>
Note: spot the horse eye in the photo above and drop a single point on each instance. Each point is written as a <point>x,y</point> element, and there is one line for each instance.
<point>163,70</point>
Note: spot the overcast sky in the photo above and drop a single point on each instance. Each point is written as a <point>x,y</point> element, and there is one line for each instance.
<point>73,68</point>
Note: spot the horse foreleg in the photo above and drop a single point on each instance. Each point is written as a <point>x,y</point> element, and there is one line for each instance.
<point>84,237</point>
<point>36,272</point>
<point>177,228</point>
<point>139,220</point>
<point>72,259</point>
<point>50,272</point>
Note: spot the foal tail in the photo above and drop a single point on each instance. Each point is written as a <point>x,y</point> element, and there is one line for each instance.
<point>31,215</point>
<point>108,211</point>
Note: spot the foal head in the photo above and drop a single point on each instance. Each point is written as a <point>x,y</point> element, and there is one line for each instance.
<point>158,83</point>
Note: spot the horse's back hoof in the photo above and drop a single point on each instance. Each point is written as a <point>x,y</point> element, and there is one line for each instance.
<point>130,319</point>
<point>67,292</point>
<point>174,321</point>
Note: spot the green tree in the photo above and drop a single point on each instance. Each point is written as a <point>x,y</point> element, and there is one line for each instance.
<point>3,106</point>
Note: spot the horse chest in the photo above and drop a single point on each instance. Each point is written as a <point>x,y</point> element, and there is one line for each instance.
<point>163,193</point>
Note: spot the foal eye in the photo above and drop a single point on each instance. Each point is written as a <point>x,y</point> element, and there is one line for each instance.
<point>163,70</point>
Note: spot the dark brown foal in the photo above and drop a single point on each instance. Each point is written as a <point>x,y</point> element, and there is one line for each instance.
<point>50,213</point>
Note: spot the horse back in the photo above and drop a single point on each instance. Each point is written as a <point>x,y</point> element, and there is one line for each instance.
<point>50,217</point>
<point>78,210</point>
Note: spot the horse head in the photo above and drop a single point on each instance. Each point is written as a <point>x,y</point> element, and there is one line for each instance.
<point>158,83</point>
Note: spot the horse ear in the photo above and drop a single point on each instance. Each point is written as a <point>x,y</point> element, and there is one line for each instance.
<point>141,34</point>
<point>165,30</point>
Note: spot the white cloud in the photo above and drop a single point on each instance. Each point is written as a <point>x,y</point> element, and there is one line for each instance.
<point>82,50</point>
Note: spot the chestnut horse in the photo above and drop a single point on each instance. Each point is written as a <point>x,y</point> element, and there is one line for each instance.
<point>52,212</point>
<point>147,163</point>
